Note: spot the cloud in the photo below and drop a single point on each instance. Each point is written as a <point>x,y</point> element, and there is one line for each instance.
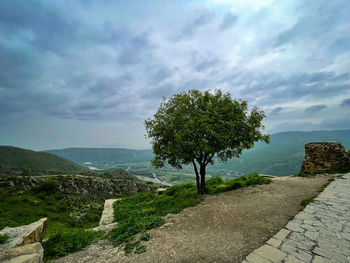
<point>345,103</point>
<point>315,108</point>
<point>201,20</point>
<point>61,61</point>
<point>276,110</point>
<point>228,22</point>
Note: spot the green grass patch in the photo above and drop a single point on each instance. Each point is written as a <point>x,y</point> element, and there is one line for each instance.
<point>139,213</point>
<point>144,211</point>
<point>307,175</point>
<point>326,184</point>
<point>64,211</point>
<point>65,242</point>
<point>3,238</point>
<point>307,201</point>
<point>216,185</point>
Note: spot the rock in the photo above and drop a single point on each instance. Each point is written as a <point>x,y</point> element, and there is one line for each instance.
<point>32,249</point>
<point>324,157</point>
<point>33,258</point>
<point>24,235</point>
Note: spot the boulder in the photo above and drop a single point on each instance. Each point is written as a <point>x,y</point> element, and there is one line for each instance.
<point>24,235</point>
<point>27,253</point>
<point>324,157</point>
<point>33,258</point>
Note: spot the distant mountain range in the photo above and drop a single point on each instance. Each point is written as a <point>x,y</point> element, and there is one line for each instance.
<point>14,158</point>
<point>283,156</point>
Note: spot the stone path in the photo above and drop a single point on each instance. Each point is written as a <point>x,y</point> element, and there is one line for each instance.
<point>108,212</point>
<point>318,234</point>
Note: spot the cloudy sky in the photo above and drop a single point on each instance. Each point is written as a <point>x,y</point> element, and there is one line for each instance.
<point>88,73</point>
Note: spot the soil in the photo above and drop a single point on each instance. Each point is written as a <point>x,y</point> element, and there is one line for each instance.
<point>224,228</point>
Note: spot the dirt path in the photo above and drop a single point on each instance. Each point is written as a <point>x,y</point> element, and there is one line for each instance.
<point>225,228</point>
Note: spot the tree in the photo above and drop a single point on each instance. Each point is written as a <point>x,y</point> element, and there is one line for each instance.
<point>196,128</point>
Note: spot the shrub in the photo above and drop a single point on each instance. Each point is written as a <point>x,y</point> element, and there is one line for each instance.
<point>65,242</point>
<point>217,185</point>
<point>3,238</point>
<point>48,186</point>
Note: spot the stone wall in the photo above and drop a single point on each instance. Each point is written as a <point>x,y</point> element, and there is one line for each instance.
<point>89,185</point>
<point>324,157</point>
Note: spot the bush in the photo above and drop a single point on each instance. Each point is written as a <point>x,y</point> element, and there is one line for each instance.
<point>3,238</point>
<point>65,242</point>
<point>217,185</point>
<point>48,186</point>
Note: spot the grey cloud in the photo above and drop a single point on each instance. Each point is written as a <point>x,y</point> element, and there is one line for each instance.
<point>276,110</point>
<point>345,103</point>
<point>200,21</point>
<point>315,108</point>
<point>272,88</point>
<point>228,22</point>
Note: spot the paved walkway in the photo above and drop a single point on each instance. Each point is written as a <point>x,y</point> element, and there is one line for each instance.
<point>318,234</point>
<point>108,212</point>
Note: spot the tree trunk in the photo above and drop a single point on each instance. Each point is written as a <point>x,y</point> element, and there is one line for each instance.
<point>202,173</point>
<point>198,184</point>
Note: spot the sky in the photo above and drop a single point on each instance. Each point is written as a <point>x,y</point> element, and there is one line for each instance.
<point>87,73</point>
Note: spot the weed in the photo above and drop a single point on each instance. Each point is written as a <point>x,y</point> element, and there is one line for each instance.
<point>326,184</point>
<point>3,238</point>
<point>307,201</point>
<point>145,236</point>
<point>307,175</point>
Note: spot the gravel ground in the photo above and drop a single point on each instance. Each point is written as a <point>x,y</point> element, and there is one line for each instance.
<point>224,228</point>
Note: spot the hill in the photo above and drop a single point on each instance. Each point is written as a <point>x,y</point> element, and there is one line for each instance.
<point>285,153</point>
<point>18,158</point>
<point>282,157</point>
<point>102,156</point>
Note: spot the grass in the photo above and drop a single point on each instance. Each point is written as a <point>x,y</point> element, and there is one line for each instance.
<point>144,211</point>
<point>216,185</point>
<point>307,175</point>
<point>326,184</point>
<point>3,238</point>
<point>64,211</point>
<point>307,201</point>
<point>68,241</point>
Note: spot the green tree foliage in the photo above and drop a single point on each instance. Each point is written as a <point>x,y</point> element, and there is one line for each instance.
<point>197,127</point>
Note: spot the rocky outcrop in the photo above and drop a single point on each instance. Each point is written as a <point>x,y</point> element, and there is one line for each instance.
<point>324,157</point>
<point>32,253</point>
<point>78,184</point>
<point>23,235</point>
<point>24,245</point>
